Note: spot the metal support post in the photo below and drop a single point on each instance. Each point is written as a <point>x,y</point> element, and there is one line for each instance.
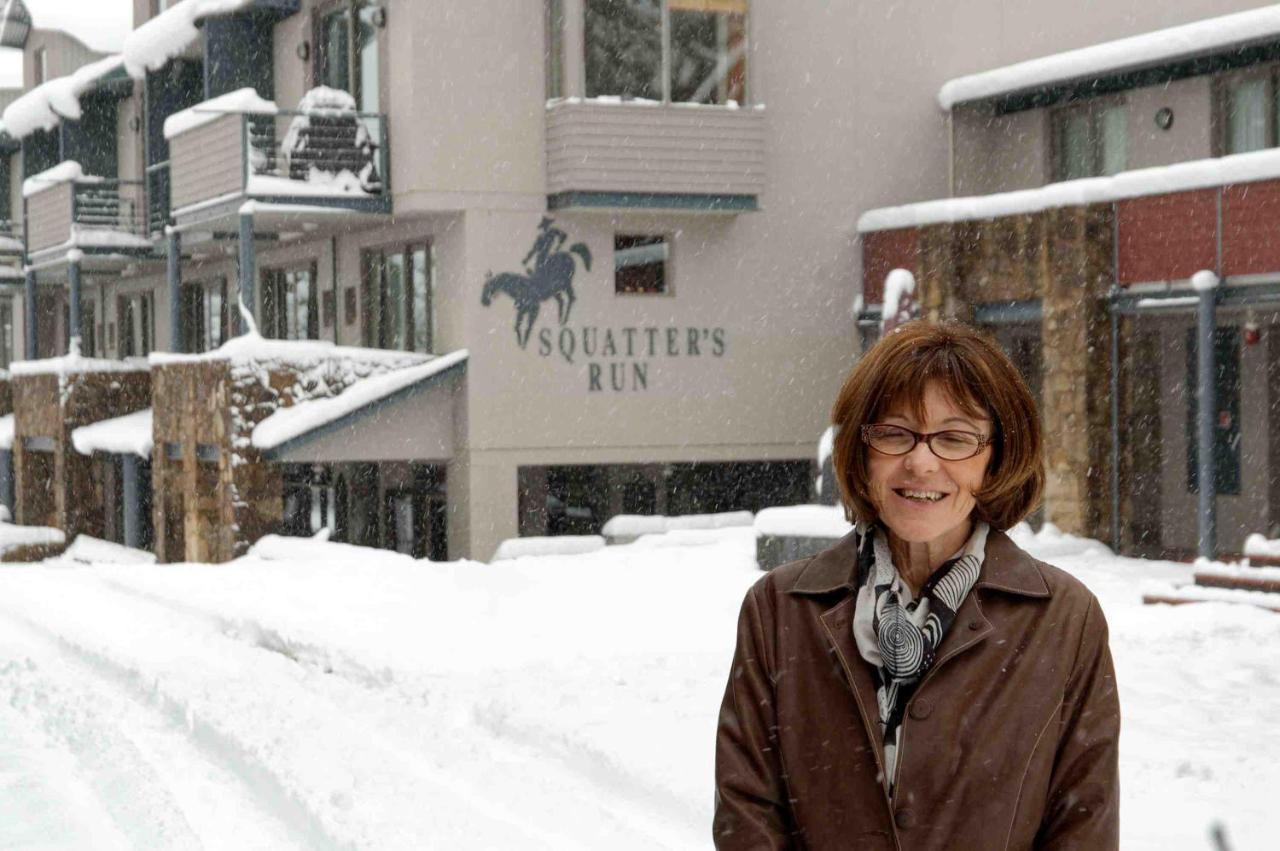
<point>132,494</point>
<point>29,296</point>
<point>1206,418</point>
<point>247,270</point>
<point>174,269</point>
<point>1115,417</point>
<point>73,315</point>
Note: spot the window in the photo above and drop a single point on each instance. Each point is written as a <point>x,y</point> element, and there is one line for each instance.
<point>1248,113</point>
<point>1226,431</point>
<point>6,332</point>
<point>685,51</point>
<point>347,50</point>
<point>39,66</point>
<point>399,298</point>
<point>640,264</point>
<point>135,315</point>
<point>1090,140</point>
<point>289,304</point>
<point>205,315</point>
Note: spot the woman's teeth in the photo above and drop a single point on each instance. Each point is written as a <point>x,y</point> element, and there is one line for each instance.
<point>922,496</point>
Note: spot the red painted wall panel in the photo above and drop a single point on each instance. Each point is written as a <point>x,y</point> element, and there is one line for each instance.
<point>1167,237</point>
<point>882,252</point>
<point>1251,228</point>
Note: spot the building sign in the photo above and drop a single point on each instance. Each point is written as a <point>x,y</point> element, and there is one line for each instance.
<point>618,357</point>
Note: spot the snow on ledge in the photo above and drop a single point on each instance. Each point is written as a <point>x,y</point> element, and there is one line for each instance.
<point>76,365</point>
<point>12,537</point>
<point>64,172</point>
<point>803,521</point>
<point>244,101</point>
<point>1179,177</point>
<point>6,432</point>
<point>556,545</point>
<point>635,525</point>
<point>127,435</point>
<point>55,100</point>
<point>152,45</point>
<point>86,549</point>
<point>288,423</point>
<point>1194,39</point>
<point>254,347</point>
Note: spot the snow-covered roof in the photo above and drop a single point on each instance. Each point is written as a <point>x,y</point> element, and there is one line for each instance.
<point>58,99</point>
<point>152,45</point>
<point>1194,174</point>
<point>245,100</point>
<point>1142,51</point>
<point>127,435</point>
<point>296,420</point>
<point>101,25</point>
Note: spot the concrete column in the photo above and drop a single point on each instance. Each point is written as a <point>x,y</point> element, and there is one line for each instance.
<point>248,270</point>
<point>573,39</point>
<point>1206,284</point>
<point>30,298</point>
<point>132,491</point>
<point>6,482</point>
<point>174,268</point>
<point>73,316</point>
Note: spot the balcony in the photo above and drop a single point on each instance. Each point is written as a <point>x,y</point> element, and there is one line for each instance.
<point>100,216</point>
<point>291,161</point>
<point>628,155</point>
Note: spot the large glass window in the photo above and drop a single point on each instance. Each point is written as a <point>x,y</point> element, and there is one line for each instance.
<point>1090,140</point>
<point>686,51</point>
<point>135,318</point>
<point>1250,111</point>
<point>290,304</point>
<point>346,56</point>
<point>205,315</point>
<point>398,298</point>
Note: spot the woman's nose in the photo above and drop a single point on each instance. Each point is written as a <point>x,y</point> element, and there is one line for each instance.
<point>921,458</point>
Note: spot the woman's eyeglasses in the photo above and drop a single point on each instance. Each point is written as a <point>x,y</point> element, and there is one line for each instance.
<point>947,445</point>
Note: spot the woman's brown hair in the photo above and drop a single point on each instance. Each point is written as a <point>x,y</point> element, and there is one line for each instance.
<point>979,379</point>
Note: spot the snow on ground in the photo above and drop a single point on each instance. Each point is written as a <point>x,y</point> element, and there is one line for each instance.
<point>317,695</point>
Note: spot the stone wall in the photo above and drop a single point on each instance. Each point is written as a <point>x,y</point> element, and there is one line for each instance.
<point>54,484</point>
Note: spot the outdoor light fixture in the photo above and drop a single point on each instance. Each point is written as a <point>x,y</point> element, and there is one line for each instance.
<point>379,17</point>
<point>1164,118</point>
<point>304,50</point>
<point>135,124</point>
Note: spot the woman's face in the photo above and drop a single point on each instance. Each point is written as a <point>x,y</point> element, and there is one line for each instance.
<point>920,497</point>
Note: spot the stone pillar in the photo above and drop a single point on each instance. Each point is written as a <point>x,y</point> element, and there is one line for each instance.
<point>73,315</point>
<point>248,270</point>
<point>29,296</point>
<point>132,492</point>
<point>174,269</point>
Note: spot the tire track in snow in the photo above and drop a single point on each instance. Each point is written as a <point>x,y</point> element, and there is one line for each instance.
<point>161,782</point>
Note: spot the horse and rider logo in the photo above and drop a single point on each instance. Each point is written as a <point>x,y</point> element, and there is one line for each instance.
<point>549,276</point>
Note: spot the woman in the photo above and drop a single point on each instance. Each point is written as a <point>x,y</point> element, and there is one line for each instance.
<point>924,683</point>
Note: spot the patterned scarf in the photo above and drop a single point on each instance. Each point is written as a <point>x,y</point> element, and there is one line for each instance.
<point>898,635</point>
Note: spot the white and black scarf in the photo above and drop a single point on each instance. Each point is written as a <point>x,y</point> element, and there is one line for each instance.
<point>899,635</point>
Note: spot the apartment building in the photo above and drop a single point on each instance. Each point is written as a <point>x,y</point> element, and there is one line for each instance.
<point>1088,189</point>
<point>431,275</point>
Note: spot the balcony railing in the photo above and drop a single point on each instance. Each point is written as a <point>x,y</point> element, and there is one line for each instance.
<point>90,213</point>
<point>328,158</point>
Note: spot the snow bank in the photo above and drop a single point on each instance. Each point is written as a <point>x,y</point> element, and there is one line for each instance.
<point>6,431</point>
<point>1195,39</point>
<point>241,101</point>
<point>287,423</point>
<point>1259,546</point>
<point>556,545</point>
<point>634,525</point>
<point>48,103</point>
<point>152,45</point>
<point>127,435</point>
<point>12,537</point>
<point>1179,177</point>
<point>89,550</point>
<point>1051,541</point>
<point>253,347</point>
<point>803,521</point>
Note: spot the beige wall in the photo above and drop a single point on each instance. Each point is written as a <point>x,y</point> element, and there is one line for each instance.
<point>64,53</point>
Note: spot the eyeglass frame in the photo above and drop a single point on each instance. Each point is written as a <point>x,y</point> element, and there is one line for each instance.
<point>983,440</point>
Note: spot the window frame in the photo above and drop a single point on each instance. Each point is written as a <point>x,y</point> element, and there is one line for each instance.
<point>668,239</point>
<point>198,339</point>
<point>376,338</point>
<point>665,63</point>
<point>272,278</point>
<point>1221,113</point>
<point>142,301</point>
<point>354,49</point>
<point>1093,109</point>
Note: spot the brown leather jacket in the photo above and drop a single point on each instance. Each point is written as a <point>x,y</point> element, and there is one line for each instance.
<point>1009,742</point>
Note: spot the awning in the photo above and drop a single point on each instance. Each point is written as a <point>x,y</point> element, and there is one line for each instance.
<point>403,415</point>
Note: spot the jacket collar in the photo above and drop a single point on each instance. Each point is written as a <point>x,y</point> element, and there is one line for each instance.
<point>1006,567</point>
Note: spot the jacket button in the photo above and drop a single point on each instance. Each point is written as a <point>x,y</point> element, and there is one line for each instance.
<point>975,625</point>
<point>905,818</point>
<point>921,708</point>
